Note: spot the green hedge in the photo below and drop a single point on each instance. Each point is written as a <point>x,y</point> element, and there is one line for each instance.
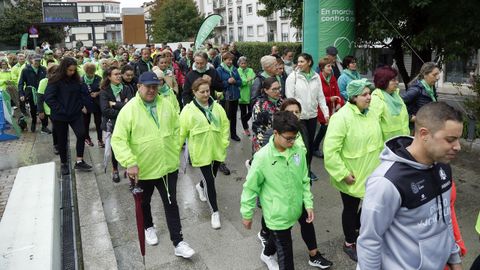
<point>255,50</point>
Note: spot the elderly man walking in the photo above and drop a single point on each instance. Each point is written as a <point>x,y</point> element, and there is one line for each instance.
<point>145,141</point>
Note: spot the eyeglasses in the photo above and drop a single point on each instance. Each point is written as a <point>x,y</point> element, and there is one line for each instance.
<point>290,139</point>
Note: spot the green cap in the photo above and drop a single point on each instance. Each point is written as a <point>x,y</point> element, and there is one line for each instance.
<point>355,87</point>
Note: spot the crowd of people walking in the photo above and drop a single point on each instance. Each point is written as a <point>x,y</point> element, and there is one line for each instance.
<point>155,102</point>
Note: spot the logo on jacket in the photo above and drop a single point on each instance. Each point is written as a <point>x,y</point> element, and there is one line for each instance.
<point>443,175</point>
<point>296,159</point>
<point>416,187</point>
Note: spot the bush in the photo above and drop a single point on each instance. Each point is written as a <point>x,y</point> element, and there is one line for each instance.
<point>472,105</point>
<point>255,50</point>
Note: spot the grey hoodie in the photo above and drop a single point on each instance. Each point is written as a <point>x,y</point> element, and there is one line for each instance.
<point>406,222</point>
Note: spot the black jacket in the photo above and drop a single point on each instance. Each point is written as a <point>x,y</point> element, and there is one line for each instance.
<point>416,97</point>
<point>28,79</point>
<point>92,104</point>
<point>216,85</point>
<point>111,113</point>
<point>142,67</point>
<point>66,100</point>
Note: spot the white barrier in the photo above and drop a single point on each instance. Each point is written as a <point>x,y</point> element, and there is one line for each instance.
<point>30,226</point>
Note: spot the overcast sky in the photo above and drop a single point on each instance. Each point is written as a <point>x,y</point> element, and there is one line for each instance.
<point>131,3</point>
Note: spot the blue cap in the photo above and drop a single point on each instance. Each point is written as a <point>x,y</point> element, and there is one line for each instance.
<point>149,78</point>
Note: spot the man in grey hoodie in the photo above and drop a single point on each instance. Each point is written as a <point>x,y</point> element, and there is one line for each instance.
<point>406,222</point>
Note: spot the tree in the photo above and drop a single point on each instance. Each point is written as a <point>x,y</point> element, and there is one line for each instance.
<point>18,18</point>
<point>175,20</point>
<point>448,28</point>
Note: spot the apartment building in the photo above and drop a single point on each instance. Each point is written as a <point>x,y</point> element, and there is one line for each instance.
<point>241,23</point>
<point>95,11</point>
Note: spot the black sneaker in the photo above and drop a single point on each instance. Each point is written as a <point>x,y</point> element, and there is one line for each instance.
<point>45,130</point>
<point>319,261</point>
<point>313,177</point>
<point>351,251</point>
<point>55,150</point>
<point>235,137</point>
<point>317,153</point>
<point>33,127</point>
<point>64,169</point>
<point>115,177</point>
<point>223,168</point>
<point>82,166</point>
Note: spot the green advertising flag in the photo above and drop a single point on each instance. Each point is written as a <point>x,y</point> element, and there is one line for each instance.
<point>23,40</point>
<point>8,112</point>
<point>206,28</point>
<point>337,26</point>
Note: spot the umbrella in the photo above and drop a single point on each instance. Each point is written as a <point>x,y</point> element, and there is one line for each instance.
<point>185,157</point>
<point>138,196</point>
<point>108,146</point>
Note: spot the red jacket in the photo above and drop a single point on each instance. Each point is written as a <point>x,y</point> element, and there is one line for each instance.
<point>329,90</point>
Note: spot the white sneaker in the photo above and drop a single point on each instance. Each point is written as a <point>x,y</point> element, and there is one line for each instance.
<point>201,193</point>
<point>247,164</point>
<point>151,236</point>
<point>184,250</point>
<point>270,261</point>
<point>216,221</point>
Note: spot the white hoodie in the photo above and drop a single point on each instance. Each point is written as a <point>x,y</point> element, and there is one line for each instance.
<point>308,93</point>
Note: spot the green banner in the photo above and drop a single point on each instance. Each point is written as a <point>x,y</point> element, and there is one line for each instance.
<point>23,40</point>
<point>337,26</point>
<point>8,112</point>
<point>206,28</point>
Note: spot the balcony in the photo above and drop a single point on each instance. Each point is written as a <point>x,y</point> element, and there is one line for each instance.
<point>272,17</point>
<point>230,19</point>
<point>113,28</point>
<point>239,20</point>
<point>221,24</point>
<point>218,4</point>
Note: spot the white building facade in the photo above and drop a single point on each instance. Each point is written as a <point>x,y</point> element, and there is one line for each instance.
<point>96,11</point>
<point>241,23</point>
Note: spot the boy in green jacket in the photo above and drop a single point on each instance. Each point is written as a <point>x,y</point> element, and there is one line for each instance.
<point>279,177</point>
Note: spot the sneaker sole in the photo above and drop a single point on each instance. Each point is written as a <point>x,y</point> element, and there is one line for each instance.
<point>319,266</point>
<point>261,241</point>
<point>152,244</point>
<point>183,256</point>
<point>83,169</point>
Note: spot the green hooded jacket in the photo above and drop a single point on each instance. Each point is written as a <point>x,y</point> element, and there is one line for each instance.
<point>352,145</point>
<point>247,76</point>
<point>136,139</point>
<point>6,78</point>
<point>391,125</point>
<point>42,85</point>
<point>282,185</point>
<point>207,142</point>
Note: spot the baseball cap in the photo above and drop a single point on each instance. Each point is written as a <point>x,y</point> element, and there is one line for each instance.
<point>355,87</point>
<point>48,52</point>
<point>37,57</point>
<point>332,50</point>
<point>149,78</point>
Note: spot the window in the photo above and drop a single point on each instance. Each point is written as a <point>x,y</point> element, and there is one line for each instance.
<point>239,14</point>
<point>240,33</point>
<point>250,31</point>
<point>96,9</point>
<point>285,31</point>
<point>230,35</point>
<point>249,9</point>
<point>260,30</point>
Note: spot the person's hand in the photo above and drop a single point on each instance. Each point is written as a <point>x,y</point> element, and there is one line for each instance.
<point>247,223</point>
<point>41,115</point>
<point>111,103</point>
<point>327,119</point>
<point>207,78</point>
<point>456,266</point>
<point>84,110</point>
<point>231,80</point>
<point>310,214</point>
<point>338,107</point>
<point>22,98</point>
<point>350,180</point>
<point>334,98</point>
<point>132,172</point>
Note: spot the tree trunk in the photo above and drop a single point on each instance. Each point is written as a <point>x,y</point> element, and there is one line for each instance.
<point>425,54</point>
<point>398,56</point>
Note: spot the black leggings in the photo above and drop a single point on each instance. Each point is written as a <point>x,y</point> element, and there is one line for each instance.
<point>350,217</point>
<point>33,112</point>
<point>476,264</point>
<point>319,137</point>
<point>61,129</point>
<point>97,118</point>
<point>311,128</point>
<point>231,108</point>
<point>54,132</point>
<point>209,173</point>
<point>307,230</point>
<point>166,185</point>
<point>280,241</point>
<point>246,114</point>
